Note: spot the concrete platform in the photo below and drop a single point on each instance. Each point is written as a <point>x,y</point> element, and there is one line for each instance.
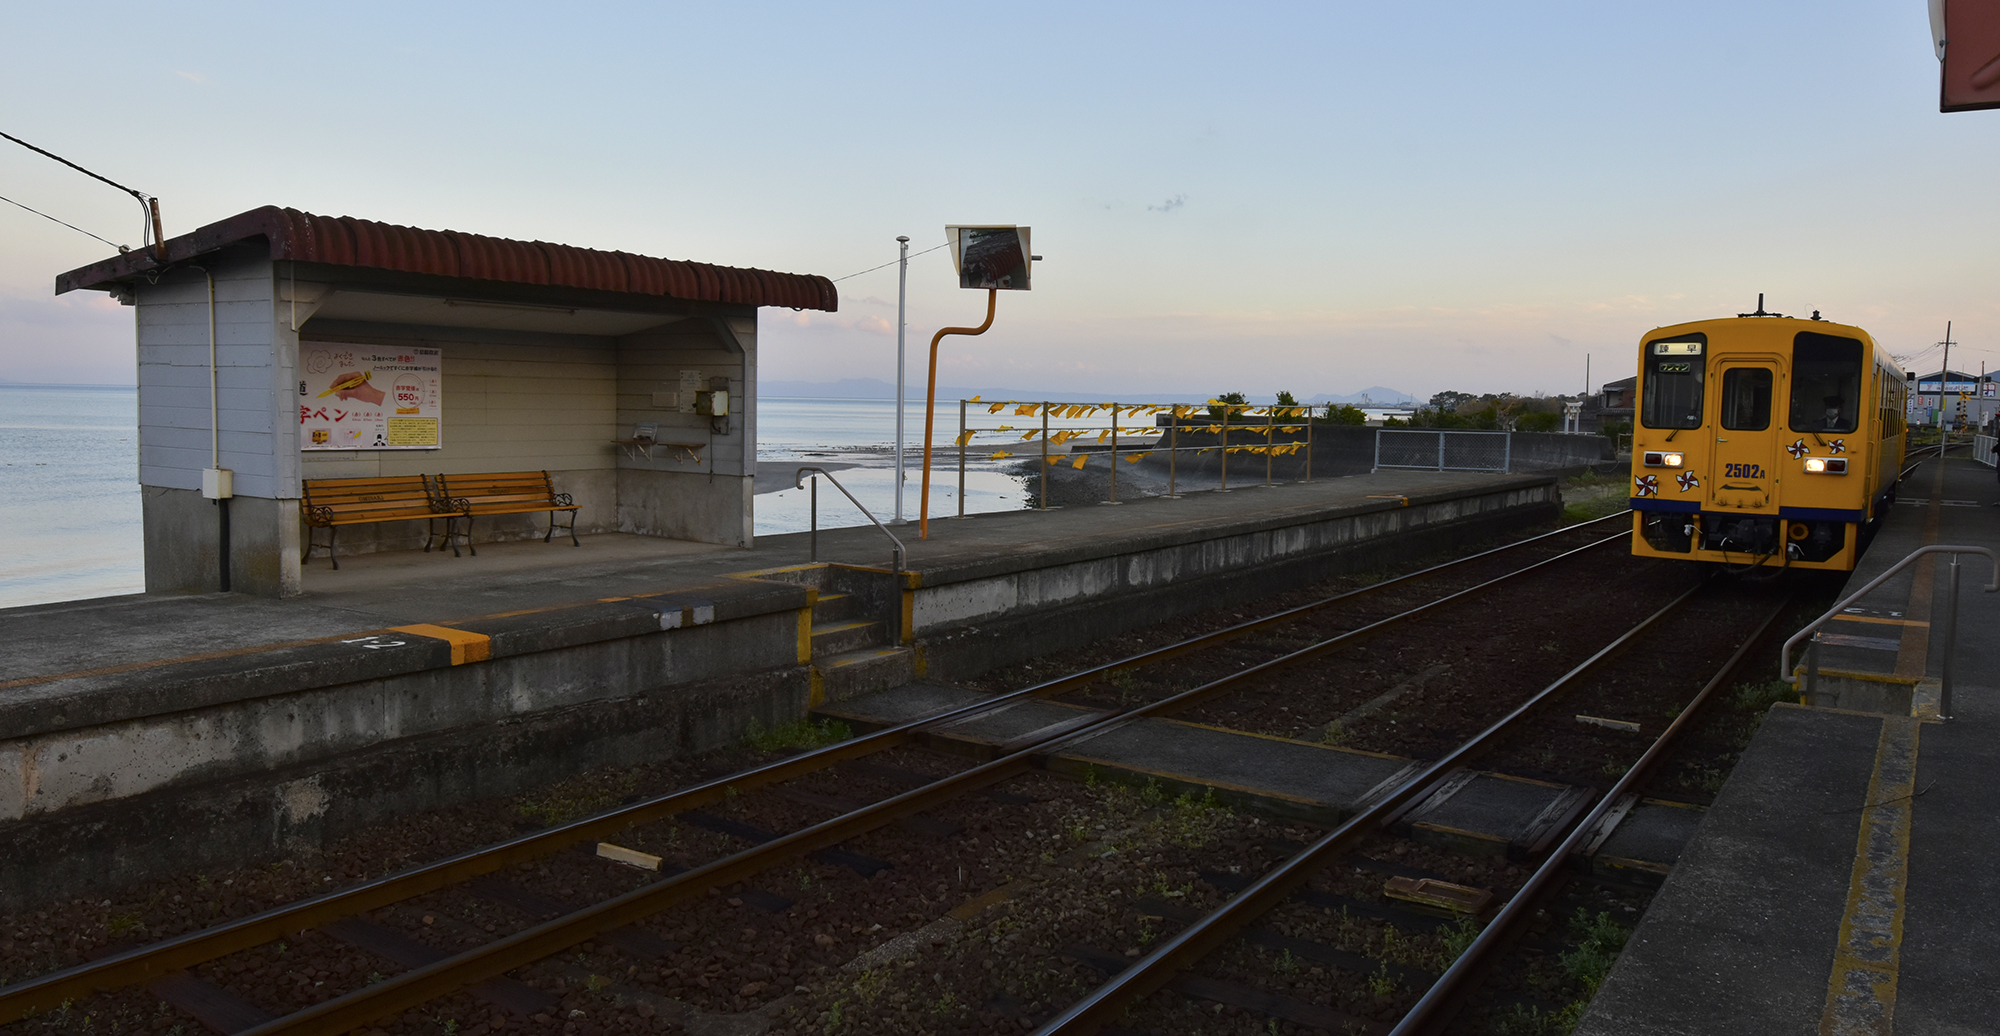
<point>1844,880</point>
<point>148,732</point>
<point>1474,812</point>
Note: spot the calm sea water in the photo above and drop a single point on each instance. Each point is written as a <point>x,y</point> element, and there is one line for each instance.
<point>69,495</point>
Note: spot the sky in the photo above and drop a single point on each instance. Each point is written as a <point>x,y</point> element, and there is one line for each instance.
<point>1314,197</point>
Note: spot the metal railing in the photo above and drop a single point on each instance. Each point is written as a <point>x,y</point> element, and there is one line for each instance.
<point>897,555</point>
<point>1443,449</point>
<point>1266,424</point>
<point>1982,449</point>
<point>1811,630</point>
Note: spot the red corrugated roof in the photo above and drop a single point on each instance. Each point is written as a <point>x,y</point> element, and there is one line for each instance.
<point>346,241</point>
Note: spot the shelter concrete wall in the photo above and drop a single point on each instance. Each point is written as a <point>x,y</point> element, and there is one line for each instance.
<point>669,494</point>
<point>254,428</point>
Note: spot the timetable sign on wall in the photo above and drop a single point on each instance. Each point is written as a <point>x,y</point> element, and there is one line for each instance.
<point>367,397</point>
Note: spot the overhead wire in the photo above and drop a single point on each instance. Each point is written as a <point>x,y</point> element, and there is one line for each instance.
<point>72,226</point>
<point>144,199</point>
<point>892,262</point>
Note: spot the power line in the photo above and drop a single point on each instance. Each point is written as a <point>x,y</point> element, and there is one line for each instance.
<point>72,226</point>
<point>891,262</point>
<point>141,195</point>
<point>149,206</point>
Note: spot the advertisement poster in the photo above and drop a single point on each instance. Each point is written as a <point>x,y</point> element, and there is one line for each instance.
<point>367,397</point>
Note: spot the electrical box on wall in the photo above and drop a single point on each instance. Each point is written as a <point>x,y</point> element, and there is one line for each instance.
<point>712,403</point>
<point>217,483</point>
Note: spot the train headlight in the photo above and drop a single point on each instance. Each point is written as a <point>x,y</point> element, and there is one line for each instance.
<point>1826,465</point>
<point>1815,464</point>
<point>1672,460</point>
<point>1658,459</point>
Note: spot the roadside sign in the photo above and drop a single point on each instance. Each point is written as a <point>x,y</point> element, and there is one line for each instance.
<point>990,256</point>
<point>1966,34</point>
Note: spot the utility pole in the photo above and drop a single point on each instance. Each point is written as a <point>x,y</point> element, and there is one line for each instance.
<point>1944,378</point>
<point>902,324</point>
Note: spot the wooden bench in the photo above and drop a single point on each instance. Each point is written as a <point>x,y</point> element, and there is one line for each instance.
<point>329,503</point>
<point>507,492</point>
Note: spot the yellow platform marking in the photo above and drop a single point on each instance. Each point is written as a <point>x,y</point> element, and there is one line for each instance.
<point>1861,991</point>
<point>1914,651</point>
<point>466,646</point>
<point>1885,622</point>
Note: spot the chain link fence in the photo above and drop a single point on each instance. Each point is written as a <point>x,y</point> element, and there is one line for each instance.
<point>1443,450</point>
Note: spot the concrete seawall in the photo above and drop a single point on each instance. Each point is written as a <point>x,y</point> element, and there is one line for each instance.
<point>146,735</point>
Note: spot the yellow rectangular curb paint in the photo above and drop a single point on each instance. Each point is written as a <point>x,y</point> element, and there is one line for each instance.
<point>1861,990</point>
<point>466,646</point>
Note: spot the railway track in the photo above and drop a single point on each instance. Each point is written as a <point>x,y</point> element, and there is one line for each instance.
<point>1435,1008</point>
<point>429,973</point>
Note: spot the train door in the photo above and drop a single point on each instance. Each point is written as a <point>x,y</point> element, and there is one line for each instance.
<point>1745,469</point>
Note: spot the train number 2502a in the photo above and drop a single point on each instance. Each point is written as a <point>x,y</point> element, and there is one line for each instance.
<point>1742,471</point>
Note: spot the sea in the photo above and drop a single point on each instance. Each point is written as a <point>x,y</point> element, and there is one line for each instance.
<point>69,492</point>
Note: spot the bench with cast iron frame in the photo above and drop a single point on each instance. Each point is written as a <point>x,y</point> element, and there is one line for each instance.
<point>508,492</point>
<point>329,503</point>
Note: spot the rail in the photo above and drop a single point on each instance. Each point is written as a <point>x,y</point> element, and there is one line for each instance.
<point>897,553</point>
<point>1811,631</point>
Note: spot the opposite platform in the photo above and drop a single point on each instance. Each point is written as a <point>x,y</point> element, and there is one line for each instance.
<point>1843,881</point>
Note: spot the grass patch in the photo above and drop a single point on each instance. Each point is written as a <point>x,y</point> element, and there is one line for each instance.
<point>802,734</point>
<point>580,797</point>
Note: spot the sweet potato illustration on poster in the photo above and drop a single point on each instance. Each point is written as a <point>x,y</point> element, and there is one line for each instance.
<point>356,397</point>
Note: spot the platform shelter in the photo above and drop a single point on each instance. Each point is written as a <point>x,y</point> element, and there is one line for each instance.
<point>277,346</point>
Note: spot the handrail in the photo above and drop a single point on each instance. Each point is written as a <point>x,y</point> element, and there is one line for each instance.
<point>799,482</point>
<point>1811,629</point>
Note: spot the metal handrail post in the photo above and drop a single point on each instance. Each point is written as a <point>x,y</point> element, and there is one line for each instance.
<point>1173,449</point>
<point>1441,450</point>
<point>1507,456</point>
<point>1812,670</point>
<point>1114,454</point>
<point>1950,640</point>
<point>1377,466</point>
<point>897,553</point>
<point>1309,443</point>
<point>1812,628</point>
<point>961,458</point>
<point>1225,449</point>
<point>1045,454</point>
<point>1270,442</point>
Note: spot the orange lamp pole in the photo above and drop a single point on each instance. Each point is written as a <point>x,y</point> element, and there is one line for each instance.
<point>930,409</point>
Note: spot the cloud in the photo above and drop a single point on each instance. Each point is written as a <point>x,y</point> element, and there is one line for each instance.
<point>192,77</point>
<point>1169,205</point>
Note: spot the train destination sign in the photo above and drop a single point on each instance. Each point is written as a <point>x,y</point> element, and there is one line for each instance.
<point>365,397</point>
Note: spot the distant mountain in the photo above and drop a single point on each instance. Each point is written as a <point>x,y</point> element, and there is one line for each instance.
<point>1378,394</point>
<point>875,388</point>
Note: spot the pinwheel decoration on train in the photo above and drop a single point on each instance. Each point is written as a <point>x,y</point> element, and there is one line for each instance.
<point>1798,449</point>
<point>1647,485</point>
<point>1837,446</point>
<point>1687,481</point>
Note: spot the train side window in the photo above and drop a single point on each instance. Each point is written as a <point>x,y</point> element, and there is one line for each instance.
<point>1826,383</point>
<point>1671,370</point>
<point>1746,399</point>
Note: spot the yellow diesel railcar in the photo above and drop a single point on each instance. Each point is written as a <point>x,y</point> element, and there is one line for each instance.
<point>1763,440</point>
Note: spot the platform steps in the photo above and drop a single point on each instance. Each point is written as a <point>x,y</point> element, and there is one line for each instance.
<point>856,629</point>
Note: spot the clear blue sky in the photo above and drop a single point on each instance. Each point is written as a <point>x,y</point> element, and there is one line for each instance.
<point>1316,197</point>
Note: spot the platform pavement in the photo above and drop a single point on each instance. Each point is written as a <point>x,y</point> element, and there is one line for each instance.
<point>1843,881</point>
<point>543,594</point>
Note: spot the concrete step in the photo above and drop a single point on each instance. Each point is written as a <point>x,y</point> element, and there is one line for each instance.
<point>835,607</point>
<point>852,674</point>
<point>835,638</point>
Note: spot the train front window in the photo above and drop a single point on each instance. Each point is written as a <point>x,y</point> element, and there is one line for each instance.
<point>1746,399</point>
<point>1672,369</point>
<point>1826,383</point>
